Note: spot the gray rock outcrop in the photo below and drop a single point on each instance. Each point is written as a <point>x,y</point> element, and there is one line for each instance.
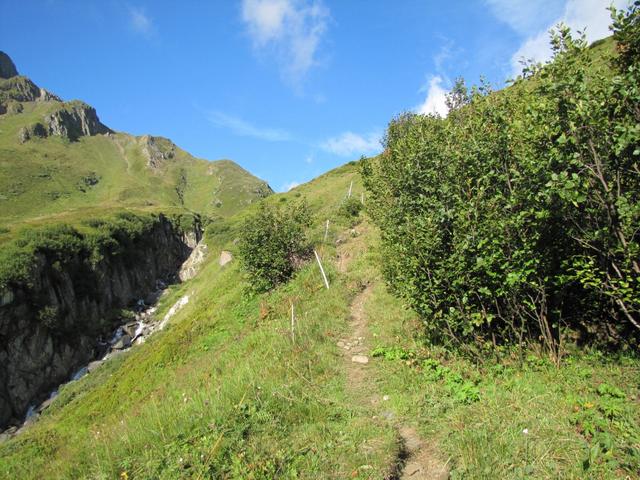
<point>157,150</point>
<point>7,68</point>
<point>74,120</point>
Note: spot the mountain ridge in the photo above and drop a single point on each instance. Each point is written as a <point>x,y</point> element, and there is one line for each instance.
<point>58,156</point>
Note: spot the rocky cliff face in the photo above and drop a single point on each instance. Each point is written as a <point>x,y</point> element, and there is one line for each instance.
<point>41,347</point>
<point>72,121</point>
<point>7,68</point>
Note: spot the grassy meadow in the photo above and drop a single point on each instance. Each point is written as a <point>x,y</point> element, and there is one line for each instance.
<point>224,391</point>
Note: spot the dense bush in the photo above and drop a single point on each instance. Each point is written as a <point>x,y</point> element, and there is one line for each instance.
<point>517,216</point>
<point>273,242</point>
<point>350,208</point>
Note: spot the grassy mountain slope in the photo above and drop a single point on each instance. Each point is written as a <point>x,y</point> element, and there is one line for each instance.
<point>54,177</point>
<point>225,393</point>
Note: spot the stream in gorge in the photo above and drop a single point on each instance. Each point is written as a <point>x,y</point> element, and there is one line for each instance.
<point>129,333</point>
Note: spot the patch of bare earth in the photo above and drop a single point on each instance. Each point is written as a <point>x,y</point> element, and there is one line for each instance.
<point>415,458</point>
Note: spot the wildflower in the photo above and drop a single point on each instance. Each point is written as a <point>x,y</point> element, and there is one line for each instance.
<point>525,431</point>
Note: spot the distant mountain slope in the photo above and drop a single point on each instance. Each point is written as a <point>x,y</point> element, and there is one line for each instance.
<point>58,157</point>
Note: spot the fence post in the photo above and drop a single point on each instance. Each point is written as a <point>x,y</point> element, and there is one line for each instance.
<point>326,230</point>
<point>293,324</point>
<point>326,282</point>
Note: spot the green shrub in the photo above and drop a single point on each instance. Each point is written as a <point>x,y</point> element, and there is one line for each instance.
<point>517,215</point>
<point>273,242</point>
<point>350,208</point>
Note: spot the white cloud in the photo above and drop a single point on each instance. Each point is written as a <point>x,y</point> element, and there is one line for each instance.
<point>291,29</point>
<point>350,144</point>
<point>436,99</point>
<point>289,186</point>
<point>526,16</point>
<point>140,21</point>
<point>243,128</point>
<point>591,15</point>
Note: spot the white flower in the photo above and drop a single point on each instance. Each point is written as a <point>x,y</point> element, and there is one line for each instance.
<point>525,431</point>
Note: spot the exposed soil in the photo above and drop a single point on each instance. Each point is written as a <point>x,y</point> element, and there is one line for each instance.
<point>415,459</point>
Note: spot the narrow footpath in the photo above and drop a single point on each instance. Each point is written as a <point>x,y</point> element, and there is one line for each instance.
<point>415,458</point>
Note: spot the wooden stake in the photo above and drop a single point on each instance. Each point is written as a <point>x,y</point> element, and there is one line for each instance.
<point>293,324</point>
<point>326,282</point>
<point>362,198</point>
<point>326,230</point>
<point>350,187</point>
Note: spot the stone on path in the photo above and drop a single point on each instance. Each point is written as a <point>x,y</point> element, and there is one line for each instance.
<point>363,359</point>
<point>225,257</point>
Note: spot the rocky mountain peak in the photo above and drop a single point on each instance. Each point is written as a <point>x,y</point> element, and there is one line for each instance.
<point>7,67</point>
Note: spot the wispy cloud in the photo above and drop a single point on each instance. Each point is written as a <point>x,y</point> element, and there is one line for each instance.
<point>291,30</point>
<point>349,144</point>
<point>436,101</point>
<point>289,186</point>
<point>525,16</point>
<point>243,128</point>
<point>590,16</point>
<point>140,21</point>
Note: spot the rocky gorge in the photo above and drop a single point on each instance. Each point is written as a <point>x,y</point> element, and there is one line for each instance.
<point>65,316</point>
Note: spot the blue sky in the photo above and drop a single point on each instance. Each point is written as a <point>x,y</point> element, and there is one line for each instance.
<point>286,88</point>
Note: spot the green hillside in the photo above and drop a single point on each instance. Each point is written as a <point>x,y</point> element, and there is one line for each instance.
<point>469,325</point>
<point>225,392</point>
<point>61,176</point>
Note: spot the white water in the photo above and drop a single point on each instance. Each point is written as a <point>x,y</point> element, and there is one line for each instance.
<point>146,313</point>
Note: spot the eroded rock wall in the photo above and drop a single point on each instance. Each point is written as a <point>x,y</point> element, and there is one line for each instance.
<point>51,328</point>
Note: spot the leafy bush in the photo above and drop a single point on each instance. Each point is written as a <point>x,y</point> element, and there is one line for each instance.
<point>350,207</point>
<point>272,243</point>
<point>517,215</point>
<point>392,353</point>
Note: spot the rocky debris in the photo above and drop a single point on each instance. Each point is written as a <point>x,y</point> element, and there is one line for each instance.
<point>362,359</point>
<point>225,257</point>
<point>157,150</point>
<point>355,343</point>
<point>191,266</point>
<point>7,67</point>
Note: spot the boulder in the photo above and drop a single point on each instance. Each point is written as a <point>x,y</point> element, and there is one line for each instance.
<point>130,328</point>
<point>122,343</point>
